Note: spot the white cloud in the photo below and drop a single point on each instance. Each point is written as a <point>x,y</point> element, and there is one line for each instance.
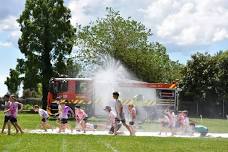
<point>188,22</point>
<point>5,44</point>
<point>9,24</point>
<point>10,33</point>
<point>84,11</point>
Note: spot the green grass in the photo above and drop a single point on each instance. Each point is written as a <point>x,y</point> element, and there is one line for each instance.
<point>31,121</point>
<point>88,143</point>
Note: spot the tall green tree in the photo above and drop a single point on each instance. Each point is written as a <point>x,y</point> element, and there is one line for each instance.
<point>125,40</point>
<point>200,75</point>
<point>222,64</point>
<point>13,81</point>
<point>47,35</point>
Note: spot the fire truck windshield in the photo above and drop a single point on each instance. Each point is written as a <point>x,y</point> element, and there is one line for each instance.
<point>58,86</point>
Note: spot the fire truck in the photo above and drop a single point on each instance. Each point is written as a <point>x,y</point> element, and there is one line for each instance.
<point>93,95</point>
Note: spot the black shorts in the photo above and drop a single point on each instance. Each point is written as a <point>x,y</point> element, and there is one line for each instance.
<point>118,120</point>
<point>64,121</point>
<point>44,119</point>
<point>85,119</point>
<point>13,119</point>
<point>131,123</point>
<point>123,121</point>
<point>7,118</point>
<point>111,130</point>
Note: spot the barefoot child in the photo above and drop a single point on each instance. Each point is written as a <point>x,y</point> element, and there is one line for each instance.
<point>112,120</point>
<point>13,110</point>
<point>7,114</point>
<point>132,112</point>
<point>44,117</point>
<point>119,112</point>
<point>63,116</point>
<point>81,118</point>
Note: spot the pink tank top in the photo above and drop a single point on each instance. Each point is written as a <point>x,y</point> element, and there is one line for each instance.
<point>81,114</point>
<point>14,109</point>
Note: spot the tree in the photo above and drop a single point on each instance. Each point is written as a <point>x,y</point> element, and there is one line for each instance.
<point>125,40</point>
<point>200,74</point>
<point>30,72</point>
<point>13,81</point>
<point>47,36</point>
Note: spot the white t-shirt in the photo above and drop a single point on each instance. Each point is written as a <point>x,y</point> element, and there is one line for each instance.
<point>7,106</point>
<point>119,109</point>
<point>43,113</point>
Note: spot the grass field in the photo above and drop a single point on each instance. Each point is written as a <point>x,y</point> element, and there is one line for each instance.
<point>31,121</point>
<point>84,143</point>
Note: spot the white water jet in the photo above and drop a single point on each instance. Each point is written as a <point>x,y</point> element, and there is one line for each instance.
<point>113,76</point>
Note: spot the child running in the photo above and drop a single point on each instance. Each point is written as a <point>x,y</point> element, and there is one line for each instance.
<point>44,117</point>
<point>112,120</point>
<point>132,112</point>
<point>119,112</point>
<point>7,115</point>
<point>172,121</point>
<point>63,116</point>
<point>81,118</point>
<point>13,110</point>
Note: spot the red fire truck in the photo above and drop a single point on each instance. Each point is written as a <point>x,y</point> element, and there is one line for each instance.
<point>89,93</point>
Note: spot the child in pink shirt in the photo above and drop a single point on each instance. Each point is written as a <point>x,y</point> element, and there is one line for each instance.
<point>13,111</point>
<point>81,117</point>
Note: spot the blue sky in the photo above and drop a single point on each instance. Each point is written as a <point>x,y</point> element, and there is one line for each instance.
<point>183,26</point>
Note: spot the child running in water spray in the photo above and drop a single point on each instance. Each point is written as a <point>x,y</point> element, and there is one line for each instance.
<point>132,111</point>
<point>164,124</point>
<point>112,120</point>
<point>63,116</point>
<point>119,112</point>
<point>172,121</point>
<point>13,110</point>
<point>44,117</point>
<point>81,118</point>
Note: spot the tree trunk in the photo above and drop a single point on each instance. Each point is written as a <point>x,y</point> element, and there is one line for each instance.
<point>46,73</point>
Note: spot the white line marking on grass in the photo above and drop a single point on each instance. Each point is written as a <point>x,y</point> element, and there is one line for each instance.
<point>64,145</point>
<point>109,146</point>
